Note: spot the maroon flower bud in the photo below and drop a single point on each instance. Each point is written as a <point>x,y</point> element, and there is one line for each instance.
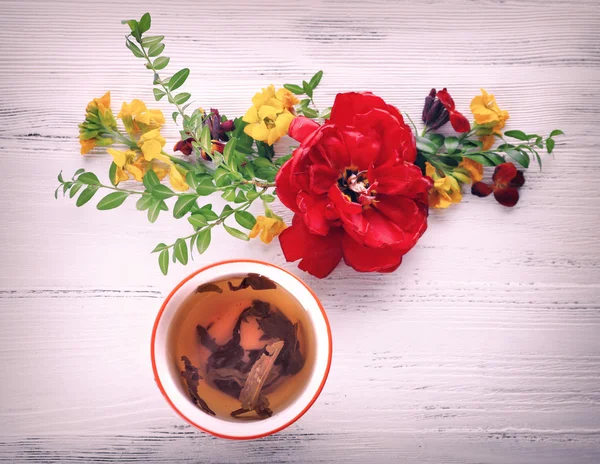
<point>227,126</point>
<point>434,114</point>
<point>184,146</point>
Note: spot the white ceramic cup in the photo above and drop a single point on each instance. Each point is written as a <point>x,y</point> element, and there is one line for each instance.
<point>167,374</point>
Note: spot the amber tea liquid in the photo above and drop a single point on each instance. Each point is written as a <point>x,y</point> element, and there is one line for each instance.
<point>227,330</point>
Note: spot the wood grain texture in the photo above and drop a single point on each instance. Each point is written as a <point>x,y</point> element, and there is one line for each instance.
<point>482,348</point>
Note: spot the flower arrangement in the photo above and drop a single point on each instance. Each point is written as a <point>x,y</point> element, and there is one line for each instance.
<point>360,183</point>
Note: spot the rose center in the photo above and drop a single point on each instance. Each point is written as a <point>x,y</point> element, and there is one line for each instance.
<point>353,184</point>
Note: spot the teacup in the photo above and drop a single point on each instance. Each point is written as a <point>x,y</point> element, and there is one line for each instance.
<point>168,374</point>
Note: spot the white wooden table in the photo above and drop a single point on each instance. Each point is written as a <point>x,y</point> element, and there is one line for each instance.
<point>484,347</point>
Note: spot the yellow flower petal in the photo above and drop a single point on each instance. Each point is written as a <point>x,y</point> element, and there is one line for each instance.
<point>120,175</point>
<point>258,131</point>
<point>87,145</point>
<point>177,179</point>
<point>151,149</point>
<point>251,115</point>
<point>267,111</point>
<point>488,141</point>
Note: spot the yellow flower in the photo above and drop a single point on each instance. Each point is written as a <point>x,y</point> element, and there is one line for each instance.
<point>130,163</point>
<point>99,121</point>
<point>445,191</point>
<point>489,118</point>
<point>152,143</point>
<point>136,113</point>
<point>177,179</point>
<point>474,169</point>
<point>269,228</point>
<point>270,116</point>
<point>87,145</point>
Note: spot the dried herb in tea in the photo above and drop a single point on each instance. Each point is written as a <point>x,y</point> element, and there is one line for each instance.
<point>254,281</point>
<point>210,287</point>
<point>192,378</point>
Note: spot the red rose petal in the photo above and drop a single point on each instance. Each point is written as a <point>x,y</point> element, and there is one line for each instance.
<point>459,122</point>
<point>285,192</point>
<point>301,127</point>
<point>402,179</point>
<point>481,189</point>
<point>322,178</point>
<point>508,196</point>
<point>331,149</point>
<point>384,233</point>
<point>342,203</point>
<point>347,105</point>
<point>446,99</point>
<point>403,212</point>
<point>518,180</point>
<point>365,259</point>
<point>319,254</point>
<point>504,173</point>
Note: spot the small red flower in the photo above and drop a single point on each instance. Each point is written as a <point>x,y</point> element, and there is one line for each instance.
<point>184,146</point>
<point>507,180</point>
<point>458,121</point>
<point>354,189</point>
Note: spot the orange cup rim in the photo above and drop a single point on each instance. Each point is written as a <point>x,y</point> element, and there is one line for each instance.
<point>204,429</point>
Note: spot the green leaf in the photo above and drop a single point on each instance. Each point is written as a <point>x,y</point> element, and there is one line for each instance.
<point>158,94</point>
<point>154,210</point>
<point>112,200</point>
<point>88,178</point>
<point>144,202</point>
<point>178,78</point>
<point>144,23</point>
<point>229,149</point>
<point>426,146</point>
<point>150,180</point>
<point>180,251</point>
<point>159,247</point>
<point>182,98</point>
<point>162,192</point>
<point>197,220</point>
<point>480,159</point>
<point>191,180</point>
<point>245,219</point>
<point>437,139</point>
<point>60,177</point>
<point>79,171</point>
<point>240,197</point>
<point>86,195</point>
<point>174,115</point>
<point>236,233</point>
<point>517,134</point>
<point>161,62</point>
<point>205,189</point>
<point>295,89</point>
<point>229,194</point>
<point>556,132</point>
<point>205,139</point>
<point>162,205</point>
<point>310,113</point>
<point>163,261</point>
<point>308,90</point>
<point>74,190</point>
<point>203,240</point>
<point>147,42</point>
<point>208,213</point>
<point>518,155</point>
<point>304,102</point>
<point>112,174</point>
<point>451,144</point>
<point>134,48</point>
<point>549,145</point>
<point>267,198</point>
<point>183,205</point>
<point>227,211</point>
<point>156,50</point>
<point>282,159</point>
<point>252,195</point>
<point>314,81</point>
<point>495,158</point>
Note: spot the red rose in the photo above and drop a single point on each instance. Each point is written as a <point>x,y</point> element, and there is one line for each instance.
<point>354,189</point>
